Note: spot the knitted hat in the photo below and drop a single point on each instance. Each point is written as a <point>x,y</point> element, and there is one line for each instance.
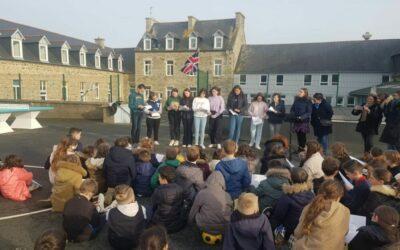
<point>247,204</point>
<point>124,194</point>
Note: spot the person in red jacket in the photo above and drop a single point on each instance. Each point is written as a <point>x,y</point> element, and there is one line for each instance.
<point>14,179</point>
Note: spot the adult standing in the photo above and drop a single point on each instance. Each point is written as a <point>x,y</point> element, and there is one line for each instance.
<point>391,132</point>
<point>368,123</point>
<point>276,114</point>
<point>186,104</point>
<point>174,118</point>
<point>258,112</point>
<point>301,111</point>
<point>136,105</point>
<point>321,119</point>
<point>201,108</point>
<point>217,107</point>
<point>237,104</point>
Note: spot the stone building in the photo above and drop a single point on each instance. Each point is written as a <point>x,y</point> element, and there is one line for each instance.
<point>165,46</point>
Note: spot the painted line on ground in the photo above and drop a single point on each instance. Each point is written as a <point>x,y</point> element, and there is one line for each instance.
<point>24,214</point>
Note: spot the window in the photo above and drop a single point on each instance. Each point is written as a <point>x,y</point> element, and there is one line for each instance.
<point>307,80</point>
<point>97,61</point>
<point>279,79</point>
<point>192,42</point>
<point>169,43</point>
<point>109,92</point>
<point>324,79</point>
<point>97,90</point>
<point>218,42</point>
<point>385,78</point>
<point>64,91</point>
<point>328,99</point>
<point>335,79</point>
<point>339,101</point>
<point>43,55</point>
<point>82,59</point>
<point>147,67</point>
<point>242,79</point>
<point>147,44</point>
<point>169,90</point>
<point>120,68</point>
<point>17,49</point>
<point>147,90</point>
<point>350,101</point>
<point>193,91</point>
<point>193,73</point>
<point>64,56</point>
<point>17,89</point>
<point>169,68</point>
<point>110,63</point>
<point>43,90</point>
<point>82,92</point>
<point>263,80</point>
<point>217,67</point>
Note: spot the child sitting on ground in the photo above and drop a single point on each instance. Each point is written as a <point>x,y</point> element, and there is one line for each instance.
<point>87,153</point>
<point>76,134</point>
<point>154,238</point>
<point>246,153</point>
<point>67,146</point>
<point>179,156</point>
<point>67,181</point>
<point>216,158</point>
<point>170,160</point>
<point>81,221</point>
<point>202,163</point>
<point>51,239</point>
<point>393,160</point>
<point>145,171</point>
<point>167,202</point>
<point>127,221</point>
<point>95,166</point>
<point>330,167</point>
<point>248,228</point>
<point>148,144</point>
<point>14,179</point>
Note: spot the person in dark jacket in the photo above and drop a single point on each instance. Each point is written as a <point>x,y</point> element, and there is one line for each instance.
<point>174,116</point>
<point>383,233</point>
<point>368,124</point>
<point>248,229</point>
<point>391,132</point>
<point>276,141</point>
<point>301,113</point>
<point>296,196</point>
<point>186,104</point>
<point>330,167</point>
<point>119,167</point>
<point>234,170</point>
<point>153,116</point>
<point>171,160</point>
<point>145,171</point>
<point>81,221</point>
<point>236,105</point>
<point>321,119</point>
<point>76,134</point>
<point>276,114</point>
<point>393,161</point>
<point>136,106</point>
<point>167,202</point>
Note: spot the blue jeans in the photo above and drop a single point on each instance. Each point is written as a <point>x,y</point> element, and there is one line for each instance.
<point>323,140</point>
<point>235,125</point>
<point>136,119</point>
<point>199,128</point>
<point>256,132</point>
<point>274,128</point>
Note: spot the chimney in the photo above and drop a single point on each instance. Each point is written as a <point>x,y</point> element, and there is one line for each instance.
<point>367,36</point>
<point>239,20</point>
<point>149,23</point>
<point>191,22</point>
<point>100,42</point>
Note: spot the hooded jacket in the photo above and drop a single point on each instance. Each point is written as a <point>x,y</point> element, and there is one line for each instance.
<point>67,182</point>
<point>154,179</point>
<point>289,207</point>
<point>14,184</point>
<point>119,167</point>
<point>248,232</point>
<point>380,195</point>
<point>313,166</point>
<point>190,178</point>
<point>236,175</point>
<point>328,229</point>
<point>270,190</point>
<point>135,100</point>
<point>145,171</point>
<point>268,145</point>
<point>369,237</point>
<point>212,207</point>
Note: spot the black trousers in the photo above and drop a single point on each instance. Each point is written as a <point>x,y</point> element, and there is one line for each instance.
<point>152,127</point>
<point>187,130</point>
<point>368,141</point>
<point>215,129</point>
<point>174,119</point>
<point>301,139</point>
<point>136,119</point>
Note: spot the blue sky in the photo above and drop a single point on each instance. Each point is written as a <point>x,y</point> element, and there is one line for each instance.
<point>121,22</point>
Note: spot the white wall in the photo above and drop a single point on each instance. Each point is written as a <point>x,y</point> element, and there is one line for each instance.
<point>292,82</point>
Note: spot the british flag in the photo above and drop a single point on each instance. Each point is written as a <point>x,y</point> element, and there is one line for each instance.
<point>192,64</point>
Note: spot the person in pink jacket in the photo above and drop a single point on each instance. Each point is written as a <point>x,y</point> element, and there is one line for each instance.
<point>14,179</point>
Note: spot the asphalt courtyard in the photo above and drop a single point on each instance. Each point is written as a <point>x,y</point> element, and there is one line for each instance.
<point>22,222</point>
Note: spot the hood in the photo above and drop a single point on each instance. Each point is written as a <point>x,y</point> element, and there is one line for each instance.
<point>301,194</point>
<point>375,232</point>
<point>216,180</point>
<point>172,163</point>
<point>297,188</point>
<point>130,209</point>
<point>120,154</point>
<point>385,190</point>
<point>232,166</point>
<point>279,173</point>
<point>63,165</point>
<point>249,225</point>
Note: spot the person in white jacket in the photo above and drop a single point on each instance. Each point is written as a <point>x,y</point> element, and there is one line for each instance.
<point>201,109</point>
<point>312,163</point>
<point>258,112</point>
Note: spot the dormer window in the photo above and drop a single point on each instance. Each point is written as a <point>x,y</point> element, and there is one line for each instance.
<point>64,56</point>
<point>43,53</point>
<point>17,49</point>
<point>169,43</point>
<point>218,42</point>
<point>82,58</point>
<point>192,42</point>
<point>97,61</point>
<point>110,62</point>
<point>147,44</point>
<point>120,68</point>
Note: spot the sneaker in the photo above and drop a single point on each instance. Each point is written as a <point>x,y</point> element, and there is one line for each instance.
<point>211,145</point>
<point>156,143</point>
<point>189,146</point>
<point>251,144</point>
<point>219,146</point>
<point>176,143</point>
<point>184,146</point>
<point>172,142</point>
<point>258,147</point>
<point>203,147</point>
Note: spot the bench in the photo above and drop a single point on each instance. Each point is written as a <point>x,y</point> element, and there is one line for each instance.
<point>25,117</point>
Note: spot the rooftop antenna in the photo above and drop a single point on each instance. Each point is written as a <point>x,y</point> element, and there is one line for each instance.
<point>151,11</point>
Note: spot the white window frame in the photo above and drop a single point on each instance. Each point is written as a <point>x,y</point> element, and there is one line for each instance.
<point>82,55</point>
<point>218,67</point>
<point>109,92</point>
<point>348,104</point>
<point>21,55</point>
<point>147,41</point>
<point>283,80</point>
<point>167,40</point>
<point>193,38</point>
<point>307,83</point>
<point>46,53</point>
<point>43,90</point>
<point>110,63</point>
<point>338,82</point>
<point>96,87</point>
<point>82,93</point>
<point>120,66</point>
<point>327,80</point>
<point>147,67</point>
<point>192,74</point>
<point>168,91</point>
<point>169,68</point>
<point>240,79</point>
<point>266,80</point>
<point>97,61</point>
<point>66,59</point>
<point>216,43</point>
<point>147,90</point>
<point>193,91</point>
<point>341,103</point>
<point>17,88</point>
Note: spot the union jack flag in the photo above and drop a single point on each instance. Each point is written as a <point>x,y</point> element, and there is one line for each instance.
<point>191,64</point>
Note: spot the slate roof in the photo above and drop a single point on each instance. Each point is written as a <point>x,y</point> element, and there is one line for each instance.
<point>205,29</point>
<point>346,56</point>
<point>129,58</point>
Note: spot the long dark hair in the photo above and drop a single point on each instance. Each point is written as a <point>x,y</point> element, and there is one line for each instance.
<point>218,89</point>
<point>202,91</point>
<point>388,220</point>
<point>237,87</point>
<point>273,97</point>
<point>259,94</point>
<point>190,94</point>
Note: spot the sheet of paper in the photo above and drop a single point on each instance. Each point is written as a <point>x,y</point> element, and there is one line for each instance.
<point>345,181</point>
<point>360,161</point>
<point>356,222</point>
<point>272,109</point>
<point>256,179</point>
<point>232,112</point>
<point>290,164</point>
<point>256,120</point>
<point>160,157</point>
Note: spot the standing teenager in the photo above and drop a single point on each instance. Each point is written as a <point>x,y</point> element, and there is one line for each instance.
<point>237,104</point>
<point>217,107</point>
<point>201,108</point>
<point>258,112</point>
<point>136,105</point>
<point>321,119</point>
<point>276,114</point>
<point>153,116</point>
<point>186,105</point>
<point>174,118</point>
<point>301,112</point>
